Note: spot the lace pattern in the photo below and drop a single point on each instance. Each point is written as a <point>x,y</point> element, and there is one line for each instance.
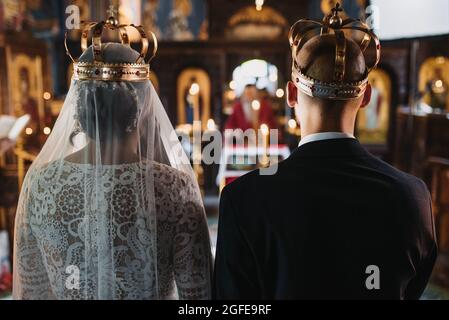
<point>69,219</point>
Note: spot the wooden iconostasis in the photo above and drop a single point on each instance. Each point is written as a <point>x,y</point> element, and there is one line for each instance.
<point>26,87</point>
<point>203,46</point>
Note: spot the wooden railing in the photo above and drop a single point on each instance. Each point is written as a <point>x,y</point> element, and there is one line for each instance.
<point>22,157</point>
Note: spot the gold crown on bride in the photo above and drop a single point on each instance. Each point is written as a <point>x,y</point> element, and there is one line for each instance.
<point>100,70</point>
<point>305,29</point>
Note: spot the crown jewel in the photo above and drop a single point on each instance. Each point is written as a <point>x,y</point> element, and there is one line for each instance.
<point>303,30</point>
<point>100,70</point>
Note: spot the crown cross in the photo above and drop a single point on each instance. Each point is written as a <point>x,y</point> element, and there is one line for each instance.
<point>337,9</point>
<point>112,11</point>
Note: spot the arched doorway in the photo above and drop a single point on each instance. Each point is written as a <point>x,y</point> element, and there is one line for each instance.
<point>260,72</point>
<point>256,71</point>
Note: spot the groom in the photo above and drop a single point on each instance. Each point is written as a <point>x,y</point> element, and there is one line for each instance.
<point>334,222</point>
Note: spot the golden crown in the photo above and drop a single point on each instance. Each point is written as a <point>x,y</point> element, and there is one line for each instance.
<point>303,30</point>
<point>100,70</point>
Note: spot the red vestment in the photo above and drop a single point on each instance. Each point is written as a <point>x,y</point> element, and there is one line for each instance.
<point>237,119</point>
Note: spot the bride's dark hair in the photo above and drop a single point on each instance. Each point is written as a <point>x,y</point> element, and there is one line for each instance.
<point>110,109</point>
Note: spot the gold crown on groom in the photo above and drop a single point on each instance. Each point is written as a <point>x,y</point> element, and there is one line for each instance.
<point>305,29</point>
<point>103,71</point>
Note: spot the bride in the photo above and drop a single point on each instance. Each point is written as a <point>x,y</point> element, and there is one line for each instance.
<point>110,208</point>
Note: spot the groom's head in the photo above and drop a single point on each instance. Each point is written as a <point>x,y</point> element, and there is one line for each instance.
<point>317,60</point>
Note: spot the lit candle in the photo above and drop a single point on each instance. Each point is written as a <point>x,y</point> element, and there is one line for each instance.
<point>265,130</point>
<point>211,125</point>
<point>292,126</point>
<point>255,104</point>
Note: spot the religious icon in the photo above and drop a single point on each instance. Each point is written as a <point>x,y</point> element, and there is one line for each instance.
<point>193,100</point>
<point>29,105</point>
<point>150,17</point>
<point>26,92</point>
<point>373,119</point>
<point>194,97</point>
<point>204,31</point>
<point>178,25</point>
<point>434,83</point>
<point>12,14</point>
<point>129,12</point>
<point>41,18</point>
<point>184,6</point>
<point>437,90</point>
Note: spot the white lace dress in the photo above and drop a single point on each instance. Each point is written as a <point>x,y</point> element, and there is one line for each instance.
<point>59,223</point>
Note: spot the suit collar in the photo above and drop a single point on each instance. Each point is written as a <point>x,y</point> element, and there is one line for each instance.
<point>345,147</point>
<point>324,136</point>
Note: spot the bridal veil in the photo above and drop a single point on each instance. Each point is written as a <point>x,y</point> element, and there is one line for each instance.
<point>110,209</point>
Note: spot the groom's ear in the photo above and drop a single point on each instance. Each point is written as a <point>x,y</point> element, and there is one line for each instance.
<point>366,96</point>
<point>292,95</point>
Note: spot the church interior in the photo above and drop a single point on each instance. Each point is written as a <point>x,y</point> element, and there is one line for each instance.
<point>213,54</point>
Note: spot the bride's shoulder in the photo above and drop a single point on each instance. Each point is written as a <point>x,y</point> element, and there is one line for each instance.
<point>41,177</point>
<point>44,170</point>
<point>179,193</point>
<point>172,180</point>
<point>165,173</point>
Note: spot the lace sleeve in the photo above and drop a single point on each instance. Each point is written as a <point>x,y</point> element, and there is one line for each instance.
<point>30,278</point>
<point>192,252</point>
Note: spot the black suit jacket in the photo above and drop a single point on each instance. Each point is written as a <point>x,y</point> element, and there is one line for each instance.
<point>311,230</point>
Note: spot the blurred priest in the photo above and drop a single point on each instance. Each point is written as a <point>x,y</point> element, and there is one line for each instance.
<point>250,112</point>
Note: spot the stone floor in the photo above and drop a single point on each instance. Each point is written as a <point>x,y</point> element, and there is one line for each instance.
<point>438,287</point>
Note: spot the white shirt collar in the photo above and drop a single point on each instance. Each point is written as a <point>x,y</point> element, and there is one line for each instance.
<point>324,136</point>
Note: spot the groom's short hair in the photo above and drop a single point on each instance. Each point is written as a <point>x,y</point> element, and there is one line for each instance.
<point>317,59</point>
